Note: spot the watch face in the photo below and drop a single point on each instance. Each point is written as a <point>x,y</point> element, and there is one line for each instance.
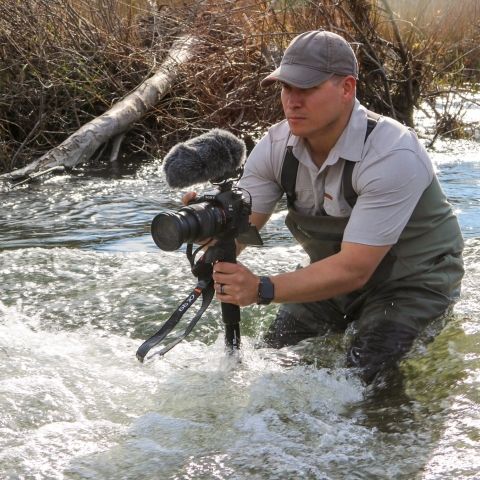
<point>265,291</point>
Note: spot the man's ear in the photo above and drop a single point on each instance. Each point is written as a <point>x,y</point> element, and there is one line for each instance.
<point>349,85</point>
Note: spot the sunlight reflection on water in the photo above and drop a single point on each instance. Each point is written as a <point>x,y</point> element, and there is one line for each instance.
<point>82,284</point>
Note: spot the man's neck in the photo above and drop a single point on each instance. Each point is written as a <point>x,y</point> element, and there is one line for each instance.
<point>319,156</point>
<point>322,144</point>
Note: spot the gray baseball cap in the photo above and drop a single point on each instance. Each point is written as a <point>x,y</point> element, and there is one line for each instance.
<point>312,58</point>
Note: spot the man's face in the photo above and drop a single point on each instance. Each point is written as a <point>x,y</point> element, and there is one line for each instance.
<point>313,112</point>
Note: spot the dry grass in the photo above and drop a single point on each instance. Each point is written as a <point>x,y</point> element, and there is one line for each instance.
<point>446,32</point>
<point>64,62</point>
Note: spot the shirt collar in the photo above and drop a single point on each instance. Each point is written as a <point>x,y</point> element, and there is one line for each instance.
<point>301,151</point>
<point>350,144</point>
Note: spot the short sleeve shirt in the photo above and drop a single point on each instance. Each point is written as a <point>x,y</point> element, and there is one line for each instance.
<point>392,170</point>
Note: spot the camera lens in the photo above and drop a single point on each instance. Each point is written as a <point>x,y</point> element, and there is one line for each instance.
<point>168,231</point>
<point>191,224</point>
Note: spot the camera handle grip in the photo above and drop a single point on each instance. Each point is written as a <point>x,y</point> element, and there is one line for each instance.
<point>230,312</point>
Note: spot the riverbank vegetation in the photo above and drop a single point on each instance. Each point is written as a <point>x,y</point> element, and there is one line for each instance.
<point>64,62</point>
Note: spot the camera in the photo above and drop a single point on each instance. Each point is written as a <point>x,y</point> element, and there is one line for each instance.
<point>223,212</point>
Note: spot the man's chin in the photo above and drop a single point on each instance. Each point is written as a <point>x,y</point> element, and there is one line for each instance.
<point>296,128</point>
<point>298,132</point>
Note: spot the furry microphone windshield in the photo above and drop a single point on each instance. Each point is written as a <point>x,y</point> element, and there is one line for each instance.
<point>213,157</point>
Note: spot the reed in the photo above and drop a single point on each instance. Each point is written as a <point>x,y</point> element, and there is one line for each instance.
<point>64,62</point>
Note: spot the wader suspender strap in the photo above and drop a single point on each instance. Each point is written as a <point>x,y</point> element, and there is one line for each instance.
<point>290,169</point>
<point>289,176</point>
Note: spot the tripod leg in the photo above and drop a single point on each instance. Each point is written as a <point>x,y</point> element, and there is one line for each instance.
<point>232,336</point>
<point>230,312</point>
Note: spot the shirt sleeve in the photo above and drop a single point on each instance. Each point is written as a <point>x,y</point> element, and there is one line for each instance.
<point>389,189</point>
<point>260,178</point>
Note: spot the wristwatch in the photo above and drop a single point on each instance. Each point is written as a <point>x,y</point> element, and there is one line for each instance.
<point>265,291</point>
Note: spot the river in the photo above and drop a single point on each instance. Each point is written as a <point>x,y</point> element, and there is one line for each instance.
<point>82,285</point>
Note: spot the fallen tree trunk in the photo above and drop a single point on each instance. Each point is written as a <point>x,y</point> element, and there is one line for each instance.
<point>79,147</point>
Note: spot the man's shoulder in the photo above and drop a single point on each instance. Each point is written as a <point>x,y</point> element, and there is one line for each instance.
<point>396,145</point>
<point>279,132</point>
<point>390,135</point>
<point>274,141</point>
<point>395,125</point>
<point>386,125</point>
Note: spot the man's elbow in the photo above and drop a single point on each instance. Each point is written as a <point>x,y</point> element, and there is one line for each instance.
<point>357,282</point>
<point>360,277</point>
<point>361,261</point>
<point>362,281</point>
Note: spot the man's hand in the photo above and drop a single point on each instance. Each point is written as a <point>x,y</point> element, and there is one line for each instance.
<point>188,197</point>
<point>239,284</point>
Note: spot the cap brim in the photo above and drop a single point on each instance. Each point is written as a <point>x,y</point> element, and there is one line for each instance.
<point>297,76</point>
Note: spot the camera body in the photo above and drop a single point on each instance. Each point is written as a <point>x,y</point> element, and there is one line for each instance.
<point>221,213</point>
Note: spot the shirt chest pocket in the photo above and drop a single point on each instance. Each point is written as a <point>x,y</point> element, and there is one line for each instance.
<point>335,207</point>
<point>305,201</point>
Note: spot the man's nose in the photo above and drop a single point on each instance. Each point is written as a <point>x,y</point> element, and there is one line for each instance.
<point>294,99</point>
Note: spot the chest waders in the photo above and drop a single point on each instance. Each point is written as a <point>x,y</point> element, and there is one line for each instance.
<point>414,284</point>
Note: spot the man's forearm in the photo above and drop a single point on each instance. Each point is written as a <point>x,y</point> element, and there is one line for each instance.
<point>341,273</point>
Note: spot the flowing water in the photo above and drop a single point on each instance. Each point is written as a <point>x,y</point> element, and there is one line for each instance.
<point>82,285</point>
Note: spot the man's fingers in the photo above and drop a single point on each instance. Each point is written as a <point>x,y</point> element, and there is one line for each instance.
<point>188,197</point>
<point>222,278</point>
<point>226,267</point>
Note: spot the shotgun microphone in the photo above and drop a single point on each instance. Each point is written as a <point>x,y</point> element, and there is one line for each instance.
<point>214,156</point>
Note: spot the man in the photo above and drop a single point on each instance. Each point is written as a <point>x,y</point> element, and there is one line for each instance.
<point>363,201</point>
